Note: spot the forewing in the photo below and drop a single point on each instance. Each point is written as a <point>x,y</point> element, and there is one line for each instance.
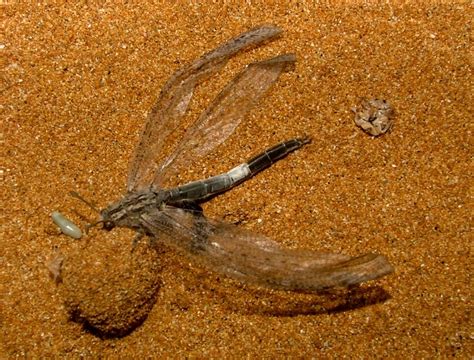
<point>223,115</point>
<point>253,258</point>
<point>174,98</point>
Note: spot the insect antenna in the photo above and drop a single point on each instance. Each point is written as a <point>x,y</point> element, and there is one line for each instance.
<point>88,203</point>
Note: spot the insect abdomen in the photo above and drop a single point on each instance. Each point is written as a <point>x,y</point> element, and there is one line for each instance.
<point>270,156</point>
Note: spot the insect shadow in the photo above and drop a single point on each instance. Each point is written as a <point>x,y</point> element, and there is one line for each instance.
<point>326,302</point>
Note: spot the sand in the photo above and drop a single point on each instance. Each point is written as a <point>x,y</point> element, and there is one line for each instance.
<point>77,83</point>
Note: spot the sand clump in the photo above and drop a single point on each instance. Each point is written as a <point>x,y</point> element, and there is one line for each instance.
<point>108,284</point>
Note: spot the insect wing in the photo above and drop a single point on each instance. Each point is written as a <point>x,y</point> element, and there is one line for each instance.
<point>253,258</point>
<point>225,113</point>
<point>174,98</point>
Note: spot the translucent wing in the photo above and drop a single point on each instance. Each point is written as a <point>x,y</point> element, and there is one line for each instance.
<point>256,259</point>
<point>175,97</point>
<point>223,115</point>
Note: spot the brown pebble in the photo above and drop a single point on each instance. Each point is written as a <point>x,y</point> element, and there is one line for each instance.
<point>108,286</point>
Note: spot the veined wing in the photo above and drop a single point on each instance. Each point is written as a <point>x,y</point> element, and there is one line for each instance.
<point>174,98</point>
<point>253,258</point>
<point>223,115</point>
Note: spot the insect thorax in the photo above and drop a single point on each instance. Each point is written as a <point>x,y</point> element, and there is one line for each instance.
<point>126,212</point>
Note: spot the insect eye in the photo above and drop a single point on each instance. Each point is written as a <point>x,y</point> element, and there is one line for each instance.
<point>108,225</point>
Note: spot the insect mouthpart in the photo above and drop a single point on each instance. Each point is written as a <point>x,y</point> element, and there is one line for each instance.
<point>108,225</point>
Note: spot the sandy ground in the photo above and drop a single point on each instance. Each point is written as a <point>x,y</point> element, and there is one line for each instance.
<point>77,83</point>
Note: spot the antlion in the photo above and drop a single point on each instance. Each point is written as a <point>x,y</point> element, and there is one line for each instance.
<point>174,216</point>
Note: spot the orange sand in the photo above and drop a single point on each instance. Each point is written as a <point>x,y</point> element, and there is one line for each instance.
<point>77,83</point>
